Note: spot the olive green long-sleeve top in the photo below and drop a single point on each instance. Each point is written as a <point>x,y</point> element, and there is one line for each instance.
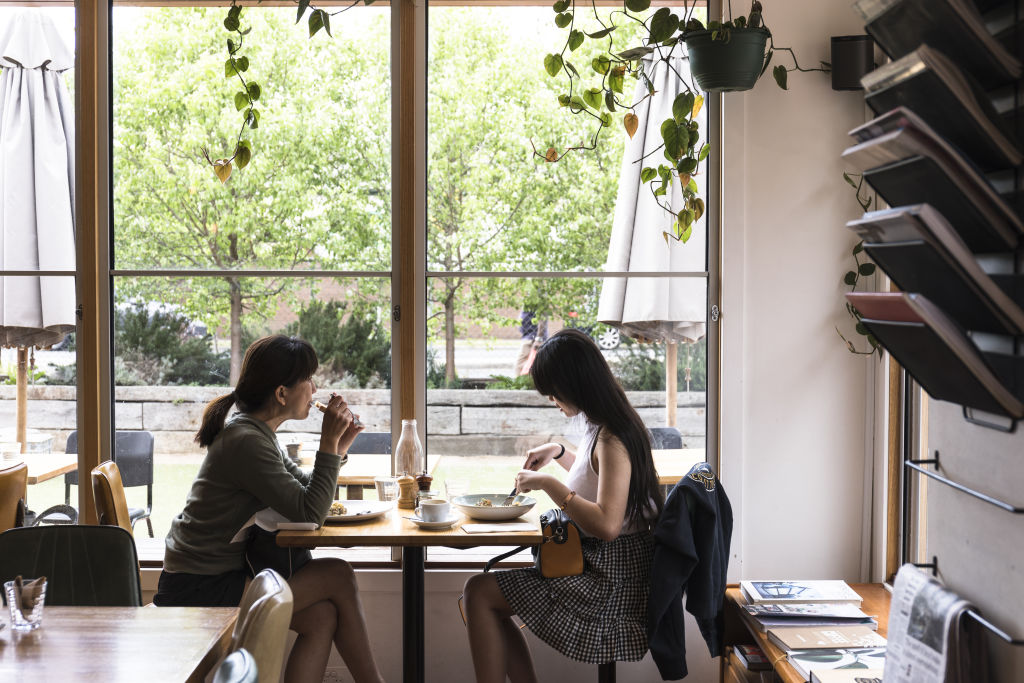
<point>245,470</point>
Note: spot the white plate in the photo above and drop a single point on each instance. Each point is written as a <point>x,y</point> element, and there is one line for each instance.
<point>423,524</point>
<point>361,510</point>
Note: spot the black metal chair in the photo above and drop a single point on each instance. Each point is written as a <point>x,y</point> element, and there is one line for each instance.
<point>133,453</point>
<point>85,566</point>
<point>665,438</point>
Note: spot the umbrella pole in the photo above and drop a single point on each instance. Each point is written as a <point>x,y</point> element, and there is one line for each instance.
<point>670,383</point>
<point>22,395</point>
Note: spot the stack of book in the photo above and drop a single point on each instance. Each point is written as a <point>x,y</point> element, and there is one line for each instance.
<point>818,624</point>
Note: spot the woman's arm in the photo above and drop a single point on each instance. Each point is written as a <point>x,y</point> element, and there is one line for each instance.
<point>540,456</point>
<point>604,517</point>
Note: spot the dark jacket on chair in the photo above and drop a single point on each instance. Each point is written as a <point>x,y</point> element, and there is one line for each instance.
<point>691,555</point>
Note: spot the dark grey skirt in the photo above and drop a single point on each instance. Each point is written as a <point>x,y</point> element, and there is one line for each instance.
<point>596,617</point>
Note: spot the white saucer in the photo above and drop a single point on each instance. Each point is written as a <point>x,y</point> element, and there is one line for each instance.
<point>443,524</point>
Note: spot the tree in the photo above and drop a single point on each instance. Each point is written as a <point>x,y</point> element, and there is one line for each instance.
<point>316,194</point>
<point>491,205</point>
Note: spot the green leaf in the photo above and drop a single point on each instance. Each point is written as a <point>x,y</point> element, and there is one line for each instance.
<point>616,80</point>
<point>564,19</point>
<point>601,64</point>
<point>636,52</point>
<point>231,46</point>
<point>859,248</point>
<point>576,102</point>
<point>561,6</point>
<point>687,232</point>
<point>242,64</point>
<point>663,25</point>
<point>682,106</point>
<point>704,151</point>
<point>553,64</point>
<point>648,174</point>
<point>570,67</point>
<point>593,97</point>
<point>638,5</point>
<point>660,192</point>
<point>303,6</point>
<point>563,100</point>
<point>850,278</point>
<point>861,329</point>
<point>575,39</point>
<point>241,101</point>
<point>692,187</point>
<point>602,33</point>
<point>242,156</point>
<point>849,180</point>
<point>231,23</point>
<point>606,119</point>
<point>254,91</point>
<point>780,74</point>
<point>687,165</point>
<point>609,101</point>
<point>235,11</point>
<point>327,22</point>
<point>254,119</point>
<point>229,68</point>
<point>866,269</point>
<point>316,22</point>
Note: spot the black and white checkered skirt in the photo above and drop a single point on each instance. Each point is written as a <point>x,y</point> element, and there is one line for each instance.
<point>598,616</point>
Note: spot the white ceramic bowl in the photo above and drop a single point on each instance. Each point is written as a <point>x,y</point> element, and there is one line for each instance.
<point>470,506</point>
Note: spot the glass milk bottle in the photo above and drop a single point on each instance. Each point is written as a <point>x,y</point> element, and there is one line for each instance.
<point>409,451</point>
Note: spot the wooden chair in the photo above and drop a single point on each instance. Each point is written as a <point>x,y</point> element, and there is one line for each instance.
<point>262,624</point>
<point>13,481</point>
<point>85,565</point>
<point>108,492</point>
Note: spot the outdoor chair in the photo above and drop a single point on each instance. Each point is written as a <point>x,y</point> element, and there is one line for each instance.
<point>133,453</point>
<point>237,667</point>
<point>108,496</point>
<point>85,565</point>
<point>13,481</point>
<point>665,438</point>
<point>262,624</point>
<point>367,442</point>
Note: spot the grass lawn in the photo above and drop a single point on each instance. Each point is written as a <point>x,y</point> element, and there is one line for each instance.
<point>479,474</point>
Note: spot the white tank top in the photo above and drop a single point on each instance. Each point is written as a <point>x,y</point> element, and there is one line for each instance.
<point>583,477</point>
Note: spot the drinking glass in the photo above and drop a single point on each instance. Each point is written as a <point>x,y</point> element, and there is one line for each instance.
<point>387,488</point>
<point>31,617</point>
<point>456,487</point>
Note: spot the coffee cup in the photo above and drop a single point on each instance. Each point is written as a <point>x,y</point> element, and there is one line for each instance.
<point>434,510</point>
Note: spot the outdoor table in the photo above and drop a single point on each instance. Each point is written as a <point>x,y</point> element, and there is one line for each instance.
<point>115,644</point>
<point>45,466</point>
<point>673,463</point>
<point>361,469</point>
<point>393,529</point>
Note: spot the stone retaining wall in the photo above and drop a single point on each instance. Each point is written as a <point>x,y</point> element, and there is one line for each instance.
<point>459,421</point>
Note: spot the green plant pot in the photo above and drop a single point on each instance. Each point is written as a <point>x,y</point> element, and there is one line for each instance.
<point>720,65</point>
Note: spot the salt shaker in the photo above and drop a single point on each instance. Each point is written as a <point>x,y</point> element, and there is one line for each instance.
<point>406,492</point>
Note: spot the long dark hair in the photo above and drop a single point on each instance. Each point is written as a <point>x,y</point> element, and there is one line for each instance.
<point>270,362</point>
<point>570,367</point>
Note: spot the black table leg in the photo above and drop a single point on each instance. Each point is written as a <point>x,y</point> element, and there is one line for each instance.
<point>413,652</point>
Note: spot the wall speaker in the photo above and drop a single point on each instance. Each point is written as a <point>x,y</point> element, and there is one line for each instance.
<point>852,57</point>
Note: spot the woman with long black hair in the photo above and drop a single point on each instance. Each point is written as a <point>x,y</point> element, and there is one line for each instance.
<point>611,493</point>
<point>244,471</point>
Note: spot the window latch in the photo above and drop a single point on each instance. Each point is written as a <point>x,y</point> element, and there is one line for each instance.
<point>714,313</point>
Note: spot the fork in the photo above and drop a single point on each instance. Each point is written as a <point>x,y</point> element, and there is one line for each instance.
<point>510,498</point>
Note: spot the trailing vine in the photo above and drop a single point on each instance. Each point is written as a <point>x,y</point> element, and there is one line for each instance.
<point>865,269</point>
<point>237,64</point>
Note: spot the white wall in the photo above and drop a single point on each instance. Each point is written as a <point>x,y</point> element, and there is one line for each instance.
<point>794,399</point>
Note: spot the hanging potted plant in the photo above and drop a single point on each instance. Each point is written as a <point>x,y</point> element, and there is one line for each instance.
<point>724,56</point>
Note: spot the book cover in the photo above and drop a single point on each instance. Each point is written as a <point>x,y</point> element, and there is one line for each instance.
<point>827,637</point>
<point>829,590</point>
<point>752,657</point>
<point>807,661</point>
<point>839,610</point>
<point>950,101</point>
<point>847,676</point>
<point>763,624</point>
<point>953,26</point>
<point>918,248</point>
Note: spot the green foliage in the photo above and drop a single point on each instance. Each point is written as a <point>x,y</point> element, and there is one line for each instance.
<point>153,347</point>
<point>351,344</point>
<point>437,372</point>
<point>519,383</point>
<point>641,367</point>
<point>852,279</point>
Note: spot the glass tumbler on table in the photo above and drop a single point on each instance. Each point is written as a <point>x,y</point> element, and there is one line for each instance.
<point>27,617</point>
<point>387,488</point>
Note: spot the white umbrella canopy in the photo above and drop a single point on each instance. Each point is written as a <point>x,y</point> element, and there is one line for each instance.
<point>37,162</point>
<point>673,310</point>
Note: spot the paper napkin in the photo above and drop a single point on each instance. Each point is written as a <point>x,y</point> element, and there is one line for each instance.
<point>497,528</point>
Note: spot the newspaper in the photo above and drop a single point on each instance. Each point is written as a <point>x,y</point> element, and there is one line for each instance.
<point>926,633</point>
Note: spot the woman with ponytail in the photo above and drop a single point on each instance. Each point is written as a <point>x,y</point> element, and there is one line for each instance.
<point>611,493</point>
<point>245,471</point>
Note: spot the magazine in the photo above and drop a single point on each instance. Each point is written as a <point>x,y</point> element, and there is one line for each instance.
<point>824,637</point>
<point>806,661</point>
<point>926,624</point>
<point>847,676</point>
<point>832,590</point>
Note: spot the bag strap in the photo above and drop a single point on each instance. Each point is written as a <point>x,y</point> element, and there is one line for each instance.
<point>498,558</point>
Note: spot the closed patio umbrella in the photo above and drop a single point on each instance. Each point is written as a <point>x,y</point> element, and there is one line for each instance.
<point>36,190</point>
<point>673,310</point>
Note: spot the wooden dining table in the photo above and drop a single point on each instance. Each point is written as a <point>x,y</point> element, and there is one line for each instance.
<point>117,644</point>
<point>394,529</point>
<point>45,466</point>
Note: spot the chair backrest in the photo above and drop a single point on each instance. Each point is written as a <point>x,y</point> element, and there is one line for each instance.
<point>108,494</point>
<point>666,437</point>
<point>371,442</point>
<point>262,624</point>
<point>71,478</point>
<point>133,453</point>
<point>85,565</point>
<point>13,480</point>
<point>237,667</point>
